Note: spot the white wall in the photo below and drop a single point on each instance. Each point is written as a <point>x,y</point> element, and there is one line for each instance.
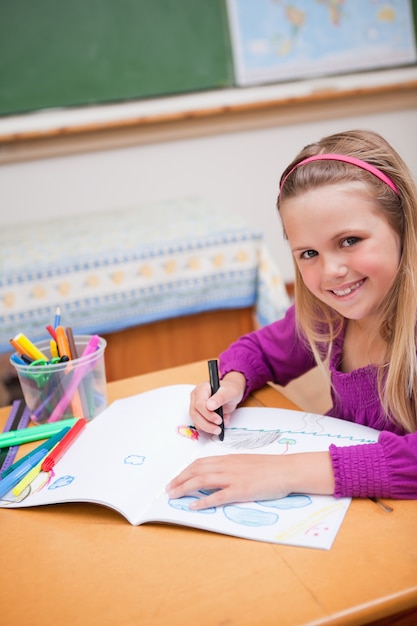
<point>238,171</point>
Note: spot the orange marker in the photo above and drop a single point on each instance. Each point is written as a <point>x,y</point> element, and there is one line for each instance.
<point>62,342</point>
<point>20,349</point>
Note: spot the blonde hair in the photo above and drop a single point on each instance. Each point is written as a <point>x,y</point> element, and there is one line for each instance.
<point>319,323</point>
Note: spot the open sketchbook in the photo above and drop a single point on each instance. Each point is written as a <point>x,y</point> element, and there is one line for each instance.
<point>126,456</point>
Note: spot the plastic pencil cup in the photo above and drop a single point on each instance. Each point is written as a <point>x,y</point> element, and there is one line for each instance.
<point>58,390</point>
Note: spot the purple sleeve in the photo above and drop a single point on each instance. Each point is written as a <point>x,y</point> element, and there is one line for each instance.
<point>274,353</point>
<point>386,469</point>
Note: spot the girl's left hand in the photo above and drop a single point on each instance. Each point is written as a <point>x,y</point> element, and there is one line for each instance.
<point>249,477</point>
<point>235,477</point>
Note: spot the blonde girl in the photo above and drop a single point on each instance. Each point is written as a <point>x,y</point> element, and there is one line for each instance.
<point>348,206</point>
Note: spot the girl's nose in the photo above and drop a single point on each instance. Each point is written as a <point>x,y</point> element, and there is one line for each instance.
<point>334,266</point>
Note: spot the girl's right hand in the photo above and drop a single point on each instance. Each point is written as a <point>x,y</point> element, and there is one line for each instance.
<point>203,405</point>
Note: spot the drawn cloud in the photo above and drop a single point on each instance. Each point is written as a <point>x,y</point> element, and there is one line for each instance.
<point>248,516</point>
<point>134,459</point>
<point>293,501</point>
<point>183,504</point>
<point>62,481</point>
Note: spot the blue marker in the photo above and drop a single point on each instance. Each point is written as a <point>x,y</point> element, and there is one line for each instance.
<point>17,359</point>
<point>57,320</point>
<point>6,484</point>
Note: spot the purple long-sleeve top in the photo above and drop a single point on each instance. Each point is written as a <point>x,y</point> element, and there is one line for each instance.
<point>385,469</point>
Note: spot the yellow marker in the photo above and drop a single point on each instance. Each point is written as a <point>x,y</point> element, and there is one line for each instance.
<point>28,347</point>
<point>27,479</point>
<point>36,470</point>
<point>53,348</point>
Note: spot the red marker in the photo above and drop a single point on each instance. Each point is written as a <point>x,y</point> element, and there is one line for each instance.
<point>51,331</point>
<point>62,446</point>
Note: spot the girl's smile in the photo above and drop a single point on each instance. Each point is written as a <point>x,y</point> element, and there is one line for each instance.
<point>348,290</point>
<point>347,253</point>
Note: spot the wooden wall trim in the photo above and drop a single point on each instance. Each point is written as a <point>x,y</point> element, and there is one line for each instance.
<point>324,102</point>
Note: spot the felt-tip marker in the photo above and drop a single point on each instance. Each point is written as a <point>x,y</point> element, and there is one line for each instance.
<point>63,445</point>
<point>34,433</point>
<point>46,446</point>
<point>6,484</point>
<point>215,384</point>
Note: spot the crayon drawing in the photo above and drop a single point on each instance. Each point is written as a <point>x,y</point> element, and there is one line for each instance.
<point>62,481</point>
<point>293,501</point>
<point>183,504</point>
<point>134,459</point>
<point>244,438</point>
<point>190,432</point>
<point>247,515</point>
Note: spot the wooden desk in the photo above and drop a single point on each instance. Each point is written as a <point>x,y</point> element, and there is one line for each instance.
<point>83,564</point>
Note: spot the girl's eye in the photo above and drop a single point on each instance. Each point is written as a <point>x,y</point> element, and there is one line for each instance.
<point>308,254</point>
<point>349,241</point>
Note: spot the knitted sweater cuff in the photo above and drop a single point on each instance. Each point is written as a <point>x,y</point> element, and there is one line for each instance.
<point>360,471</point>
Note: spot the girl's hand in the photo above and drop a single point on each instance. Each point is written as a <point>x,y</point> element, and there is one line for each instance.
<point>203,404</point>
<point>249,477</point>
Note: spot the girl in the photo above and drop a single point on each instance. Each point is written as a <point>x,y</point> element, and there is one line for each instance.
<point>348,206</point>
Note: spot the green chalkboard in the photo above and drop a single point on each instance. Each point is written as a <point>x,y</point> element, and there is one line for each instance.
<point>59,53</point>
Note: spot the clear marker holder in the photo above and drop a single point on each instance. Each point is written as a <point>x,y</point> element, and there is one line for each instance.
<point>59,390</point>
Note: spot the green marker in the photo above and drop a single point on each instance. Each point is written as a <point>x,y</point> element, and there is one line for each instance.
<point>34,433</point>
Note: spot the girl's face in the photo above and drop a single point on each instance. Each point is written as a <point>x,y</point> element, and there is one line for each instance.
<point>346,251</point>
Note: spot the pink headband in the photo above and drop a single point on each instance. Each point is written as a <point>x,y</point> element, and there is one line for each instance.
<point>347,159</point>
